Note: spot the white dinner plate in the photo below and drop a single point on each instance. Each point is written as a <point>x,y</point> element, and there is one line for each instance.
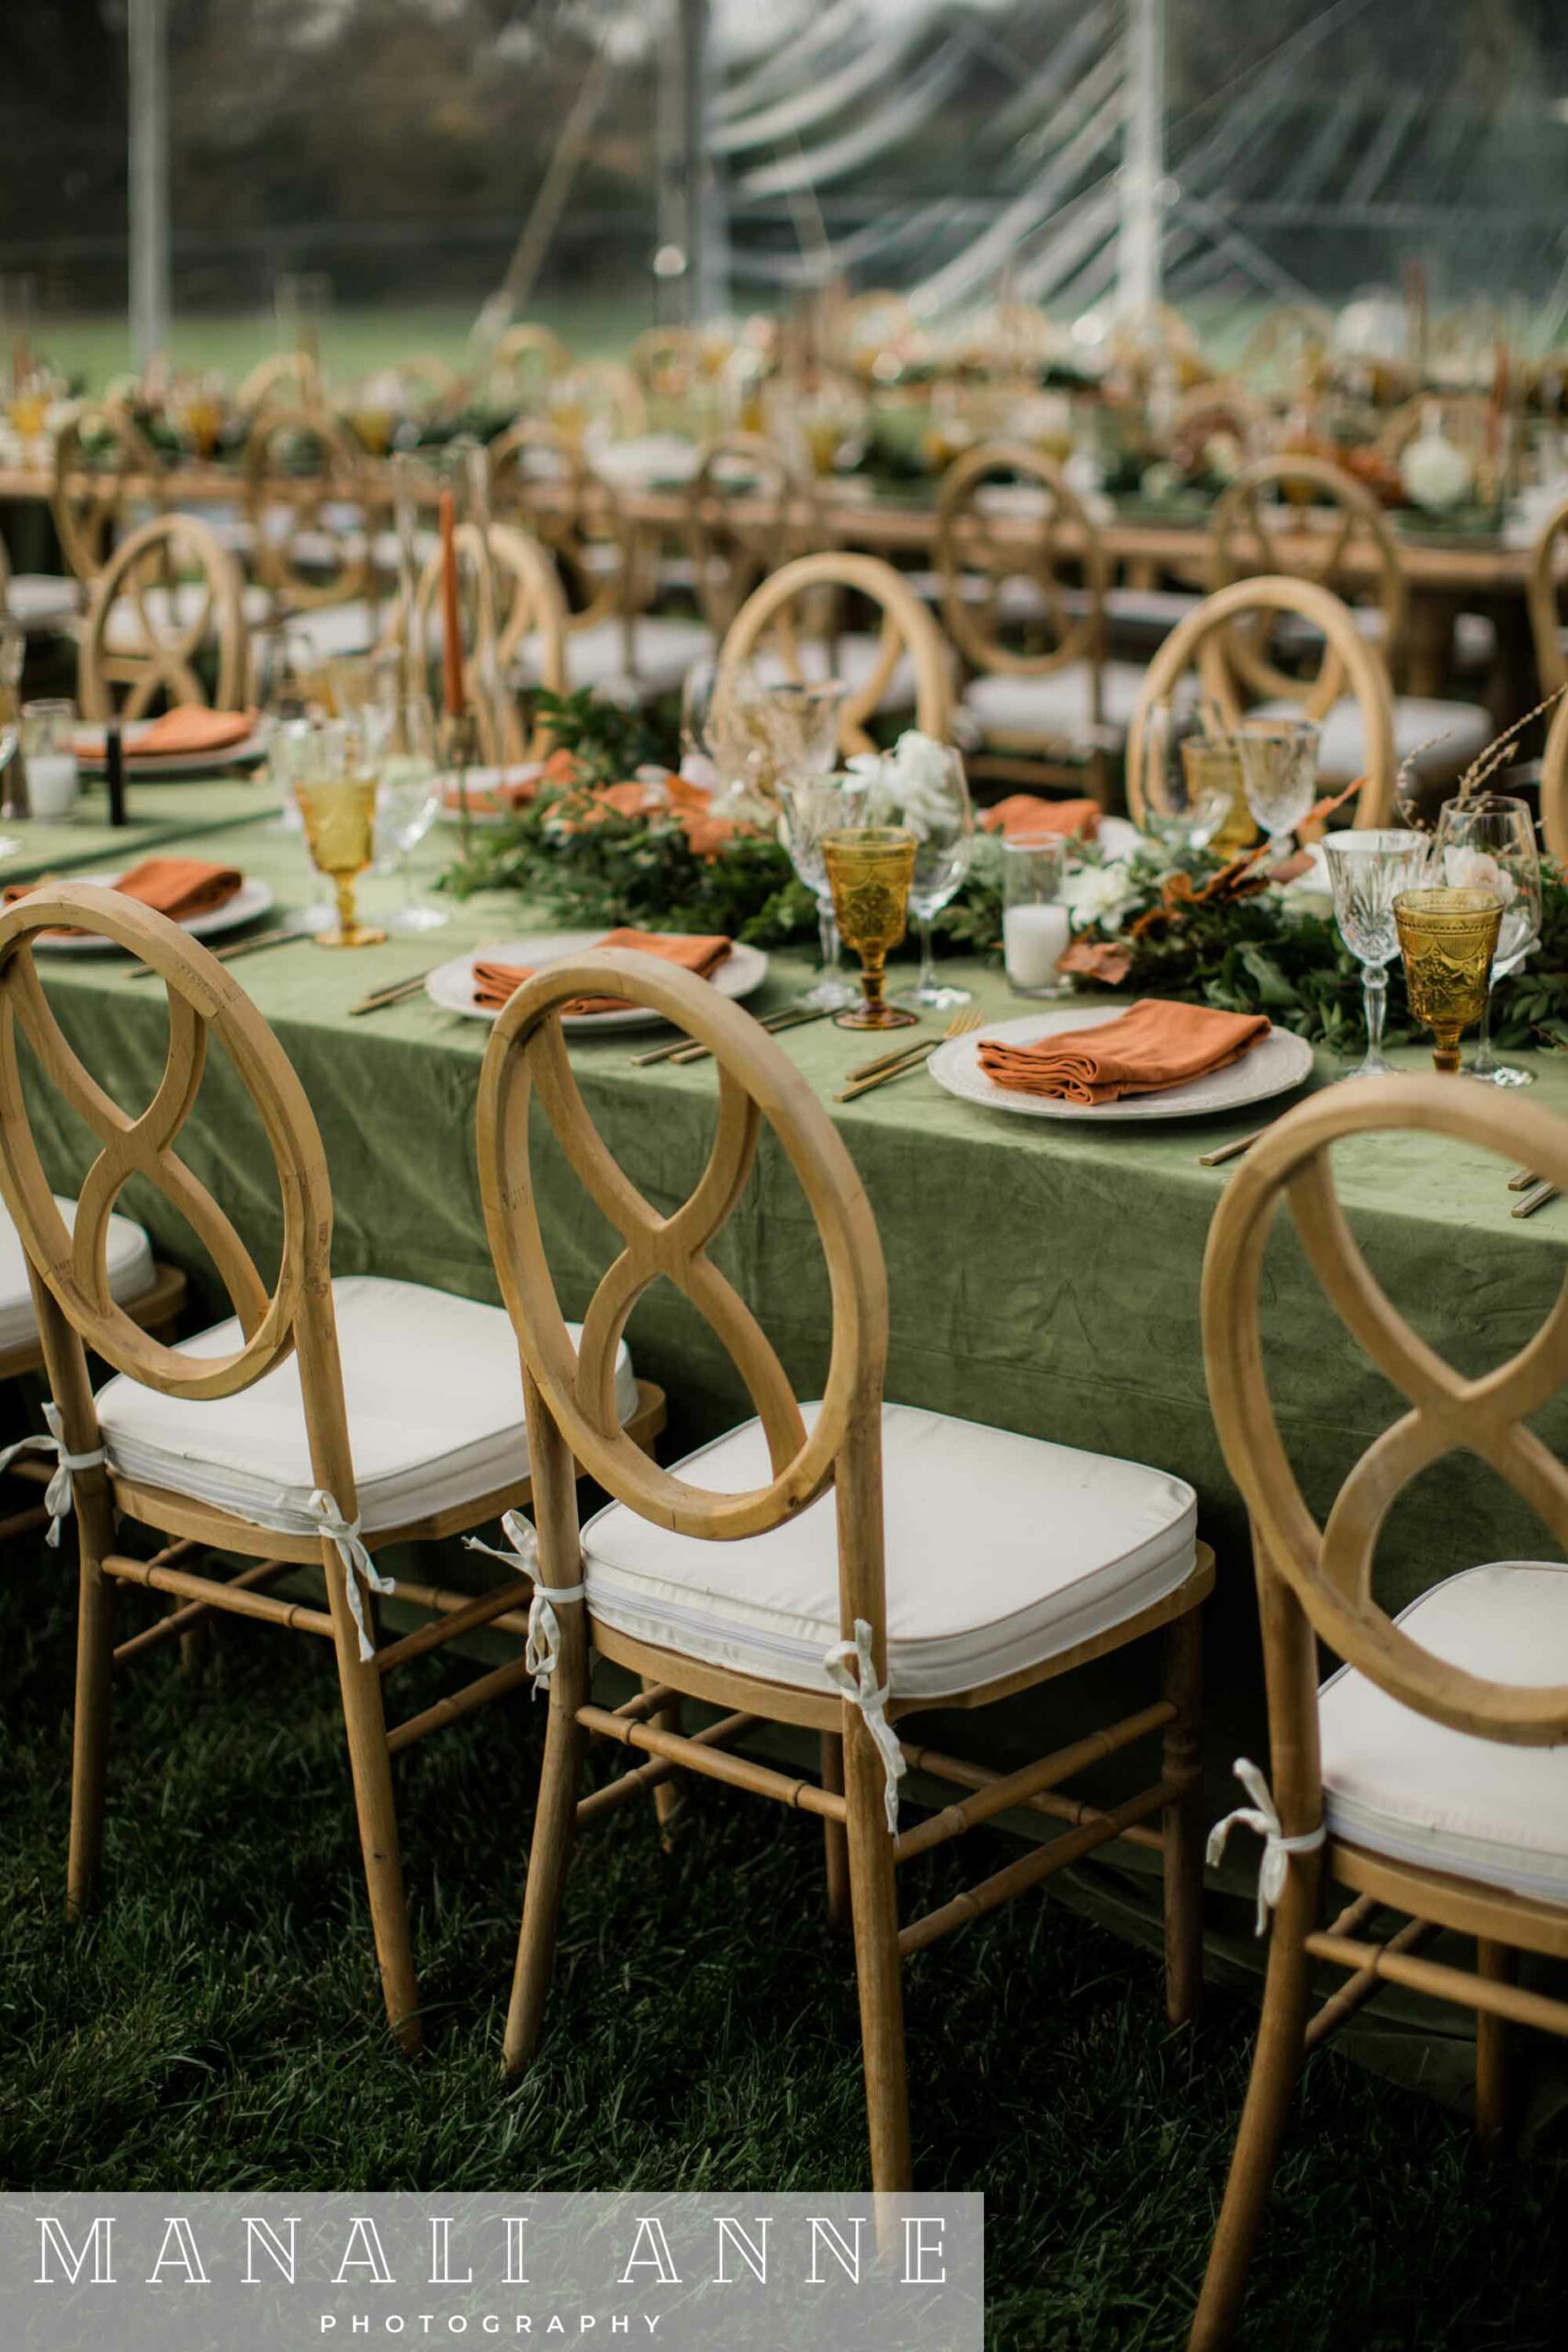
<point>90,754</point>
<point>1282,1061</point>
<point>252,900</point>
<point>451,985</point>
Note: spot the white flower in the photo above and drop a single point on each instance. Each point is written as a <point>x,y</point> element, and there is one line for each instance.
<point>1474,869</point>
<point>1099,894</point>
<point>915,778</point>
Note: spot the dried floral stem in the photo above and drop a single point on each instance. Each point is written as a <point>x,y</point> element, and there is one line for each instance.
<point>1487,763</point>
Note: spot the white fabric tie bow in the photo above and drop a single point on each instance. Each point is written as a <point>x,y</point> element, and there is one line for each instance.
<point>542,1654</point>
<point>871,1696</point>
<point>356,1560</point>
<point>59,1496</point>
<point>1261,1818</point>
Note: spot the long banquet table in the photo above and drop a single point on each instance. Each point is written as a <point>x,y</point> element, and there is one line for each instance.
<point>1044,1276</point>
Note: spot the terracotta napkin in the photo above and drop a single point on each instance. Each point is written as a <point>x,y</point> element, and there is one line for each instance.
<point>494,983</point>
<point>190,729</point>
<point>1023,813</point>
<point>509,789</point>
<point>178,887</point>
<point>1154,1045</point>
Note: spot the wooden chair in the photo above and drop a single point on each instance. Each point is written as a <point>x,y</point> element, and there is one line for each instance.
<point>526,360</point>
<point>105,469</point>
<point>1549,564</point>
<point>1306,519</point>
<point>747,510</point>
<point>169,600</point>
<point>1205,639</point>
<point>289,379</point>
<point>512,608</point>
<point>775,1603</point>
<point>541,479</point>
<point>223,1443</point>
<point>910,665</point>
<point>1554,785</point>
<point>1048,703</point>
<point>1371,1785</point>
<point>308,496</point>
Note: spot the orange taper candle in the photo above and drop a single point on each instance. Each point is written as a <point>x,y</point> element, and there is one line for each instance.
<point>451,612</point>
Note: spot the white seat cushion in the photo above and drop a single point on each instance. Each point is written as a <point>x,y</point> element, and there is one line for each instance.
<point>1440,737</point>
<point>435,1413</point>
<point>1055,708</point>
<point>664,649</point>
<point>40,601</point>
<point>852,657</point>
<point>1001,1551</point>
<point>1402,1785</point>
<point>166,611</point>
<point>333,632</point>
<point>130,1263</point>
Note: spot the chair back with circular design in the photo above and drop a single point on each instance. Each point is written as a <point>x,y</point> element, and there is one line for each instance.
<point>504,598</point>
<point>166,623</point>
<point>788,606</point>
<point>104,466</point>
<point>1203,640</point>
<point>1328,1567</point>
<point>1027,528</point>
<point>1304,518</point>
<point>1555,784</point>
<point>747,510</point>
<point>288,380</point>
<point>307,490</point>
<point>527,358</point>
<point>758,1086</point>
<point>206,1009</point>
<point>538,478</point>
<point>1548,584</point>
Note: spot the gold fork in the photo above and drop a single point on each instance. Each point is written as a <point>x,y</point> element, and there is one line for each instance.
<point>907,1059</point>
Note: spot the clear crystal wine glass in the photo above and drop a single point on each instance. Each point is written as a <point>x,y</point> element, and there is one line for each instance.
<point>1279,772</point>
<point>811,807</point>
<point>939,813</point>
<point>409,798</point>
<point>1488,843</point>
<point>1367,871</point>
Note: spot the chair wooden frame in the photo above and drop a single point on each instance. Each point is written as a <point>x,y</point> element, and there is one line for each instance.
<point>77,1312</point>
<point>293,378</point>
<point>152,559</point>
<point>508,591</point>
<point>87,500</point>
<point>570,1410</point>
<point>906,628</point>
<point>1073,618</point>
<point>734,539</point>
<point>572,509</point>
<point>280,492</point>
<point>1555,784</point>
<point>1243,523</point>
<point>1200,639</point>
<point>1314,1582</point>
<point>1548,576</point>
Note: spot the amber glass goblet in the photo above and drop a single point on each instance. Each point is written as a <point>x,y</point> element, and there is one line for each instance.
<point>1447,938</point>
<point>336,793</point>
<point>870,868</point>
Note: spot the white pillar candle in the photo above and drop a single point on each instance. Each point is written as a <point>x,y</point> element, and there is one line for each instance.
<point>1032,938</point>
<point>51,784</point>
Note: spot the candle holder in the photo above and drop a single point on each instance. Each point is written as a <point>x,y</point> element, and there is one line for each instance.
<point>1447,939</point>
<point>1037,928</point>
<point>869,871</point>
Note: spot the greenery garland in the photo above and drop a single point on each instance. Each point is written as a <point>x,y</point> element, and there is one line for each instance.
<point>1267,951</point>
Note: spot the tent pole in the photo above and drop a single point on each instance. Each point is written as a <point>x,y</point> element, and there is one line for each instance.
<point>1139,281</point>
<point>149,203</point>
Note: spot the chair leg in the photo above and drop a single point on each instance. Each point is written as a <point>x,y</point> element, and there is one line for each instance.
<point>1497,1964</point>
<point>370,1764</point>
<point>90,1735</point>
<point>835,1845</point>
<point>670,1797</point>
<point>1276,2063</point>
<point>555,1824</point>
<point>873,1904</point>
<point>1182,1823</point>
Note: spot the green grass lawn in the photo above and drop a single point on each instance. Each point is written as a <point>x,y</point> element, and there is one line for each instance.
<point>216,2025</point>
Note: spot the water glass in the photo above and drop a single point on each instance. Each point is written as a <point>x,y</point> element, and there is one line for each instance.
<point>411,783</point>
<point>943,820</point>
<point>811,808</point>
<point>1367,871</point>
<point>1488,843</point>
<point>48,755</point>
<point>869,871</point>
<point>1447,938</point>
<point>1037,926</point>
<point>1279,772</point>
<point>336,792</point>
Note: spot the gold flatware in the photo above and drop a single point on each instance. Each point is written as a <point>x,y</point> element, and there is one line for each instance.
<point>1530,1202</point>
<point>687,1049</point>
<point>913,1057</point>
<point>393,993</point>
<point>1522,1179</point>
<point>1232,1150</point>
<point>239,947</point>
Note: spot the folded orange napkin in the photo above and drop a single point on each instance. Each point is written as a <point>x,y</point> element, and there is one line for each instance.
<point>188,727</point>
<point>1155,1044</point>
<point>1023,813</point>
<point>494,983</point>
<point>177,886</point>
<point>510,789</point>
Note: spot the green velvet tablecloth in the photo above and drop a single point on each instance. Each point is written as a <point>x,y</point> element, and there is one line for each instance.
<point>1043,1276</point>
